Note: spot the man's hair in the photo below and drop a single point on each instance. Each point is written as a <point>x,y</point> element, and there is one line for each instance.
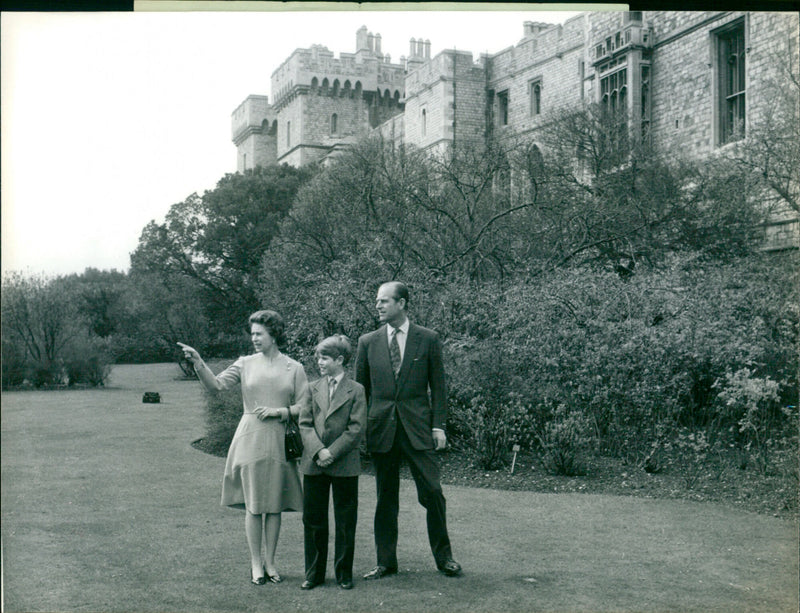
<point>335,346</point>
<point>272,322</point>
<point>399,290</point>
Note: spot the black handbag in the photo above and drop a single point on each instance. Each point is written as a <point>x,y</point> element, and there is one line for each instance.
<point>293,440</point>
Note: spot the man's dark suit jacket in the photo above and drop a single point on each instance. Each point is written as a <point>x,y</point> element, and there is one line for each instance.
<point>422,370</point>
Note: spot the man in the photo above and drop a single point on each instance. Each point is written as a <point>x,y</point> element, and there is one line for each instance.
<point>399,365</point>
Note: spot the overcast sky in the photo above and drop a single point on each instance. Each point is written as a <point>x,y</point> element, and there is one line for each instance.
<point>110,118</point>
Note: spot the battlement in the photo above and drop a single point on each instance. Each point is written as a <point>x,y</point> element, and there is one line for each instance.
<point>446,66</point>
<point>540,43</point>
<point>253,116</point>
<point>318,70</point>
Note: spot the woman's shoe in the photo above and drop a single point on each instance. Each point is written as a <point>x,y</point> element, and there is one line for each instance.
<point>259,580</point>
<point>276,578</point>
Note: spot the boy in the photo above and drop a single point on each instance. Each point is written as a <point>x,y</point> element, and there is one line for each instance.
<point>331,427</point>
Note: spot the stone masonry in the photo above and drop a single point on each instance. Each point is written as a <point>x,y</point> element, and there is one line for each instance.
<point>664,67</point>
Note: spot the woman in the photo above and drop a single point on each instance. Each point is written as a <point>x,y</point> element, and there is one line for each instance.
<point>258,477</point>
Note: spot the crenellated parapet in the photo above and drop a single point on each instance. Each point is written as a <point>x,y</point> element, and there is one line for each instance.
<point>316,71</point>
<point>253,116</point>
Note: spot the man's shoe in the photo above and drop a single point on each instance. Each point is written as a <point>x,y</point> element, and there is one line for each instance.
<point>379,572</point>
<point>346,585</point>
<point>309,585</point>
<point>451,568</point>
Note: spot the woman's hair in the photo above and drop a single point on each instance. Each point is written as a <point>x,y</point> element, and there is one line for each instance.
<point>272,322</point>
<point>335,346</point>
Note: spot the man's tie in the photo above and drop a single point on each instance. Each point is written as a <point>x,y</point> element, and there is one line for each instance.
<point>394,353</point>
<point>331,390</point>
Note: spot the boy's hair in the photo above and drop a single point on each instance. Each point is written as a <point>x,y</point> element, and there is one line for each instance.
<point>335,346</point>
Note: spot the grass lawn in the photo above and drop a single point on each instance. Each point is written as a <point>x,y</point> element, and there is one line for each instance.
<point>106,506</point>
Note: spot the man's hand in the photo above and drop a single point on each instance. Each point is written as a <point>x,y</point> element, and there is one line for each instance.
<point>439,439</point>
<point>324,458</point>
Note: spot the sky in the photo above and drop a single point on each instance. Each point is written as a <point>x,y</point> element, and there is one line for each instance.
<point>110,118</point>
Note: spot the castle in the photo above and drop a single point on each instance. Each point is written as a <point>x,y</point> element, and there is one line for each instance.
<point>692,80</point>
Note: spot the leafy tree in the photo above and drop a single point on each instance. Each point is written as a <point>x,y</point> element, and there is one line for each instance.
<point>101,298</point>
<point>39,317</point>
<point>45,335</point>
<point>218,239</point>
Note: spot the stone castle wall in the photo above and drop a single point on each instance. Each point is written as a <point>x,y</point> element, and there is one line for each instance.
<point>432,102</point>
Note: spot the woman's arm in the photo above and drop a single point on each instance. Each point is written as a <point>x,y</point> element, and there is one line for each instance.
<point>209,380</point>
<point>301,396</point>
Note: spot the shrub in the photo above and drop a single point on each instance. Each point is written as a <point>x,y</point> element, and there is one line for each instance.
<point>565,441</point>
<point>87,361</point>
<point>754,403</point>
<point>690,455</point>
<point>223,413</point>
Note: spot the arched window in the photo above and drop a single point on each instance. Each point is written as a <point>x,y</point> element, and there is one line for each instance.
<point>336,87</point>
<point>424,122</point>
<point>334,121</point>
<point>536,97</point>
<point>288,133</point>
<point>315,85</point>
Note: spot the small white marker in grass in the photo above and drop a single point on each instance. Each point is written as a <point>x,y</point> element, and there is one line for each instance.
<point>515,449</point>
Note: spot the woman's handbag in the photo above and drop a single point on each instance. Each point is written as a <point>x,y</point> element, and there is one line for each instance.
<point>293,440</point>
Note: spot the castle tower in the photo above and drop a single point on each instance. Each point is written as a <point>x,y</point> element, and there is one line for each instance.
<point>253,129</point>
<point>323,103</point>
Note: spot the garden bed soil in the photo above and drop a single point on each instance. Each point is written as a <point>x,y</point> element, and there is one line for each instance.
<point>772,494</point>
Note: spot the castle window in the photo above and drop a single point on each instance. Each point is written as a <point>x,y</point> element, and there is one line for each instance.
<point>536,97</point>
<point>333,123</point>
<point>288,133</point>
<point>244,161</point>
<point>730,45</point>
<point>645,101</point>
<point>424,122</point>
<point>614,90</point>
<point>502,108</point>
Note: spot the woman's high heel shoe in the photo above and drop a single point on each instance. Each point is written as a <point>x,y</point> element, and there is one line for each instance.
<point>276,578</point>
<point>259,580</point>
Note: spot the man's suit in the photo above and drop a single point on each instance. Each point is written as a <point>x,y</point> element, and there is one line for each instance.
<point>337,425</point>
<point>400,419</point>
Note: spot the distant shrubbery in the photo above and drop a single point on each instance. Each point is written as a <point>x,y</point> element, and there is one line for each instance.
<point>47,338</point>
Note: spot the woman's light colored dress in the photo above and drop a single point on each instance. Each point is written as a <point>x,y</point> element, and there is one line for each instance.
<point>257,475</point>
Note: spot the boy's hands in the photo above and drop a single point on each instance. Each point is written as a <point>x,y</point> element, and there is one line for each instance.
<point>324,458</point>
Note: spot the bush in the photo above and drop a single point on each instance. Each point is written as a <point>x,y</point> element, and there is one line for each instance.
<point>223,413</point>
<point>754,403</point>
<point>87,361</point>
<point>565,441</point>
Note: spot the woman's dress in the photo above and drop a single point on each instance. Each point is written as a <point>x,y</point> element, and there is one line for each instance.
<point>257,475</point>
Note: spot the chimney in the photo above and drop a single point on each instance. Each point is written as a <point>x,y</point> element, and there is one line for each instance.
<point>412,48</point>
<point>361,38</point>
<point>427,49</point>
<point>377,44</point>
